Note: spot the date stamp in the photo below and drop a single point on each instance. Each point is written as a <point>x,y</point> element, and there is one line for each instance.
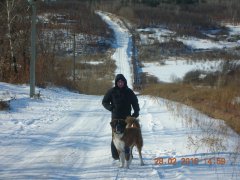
<point>189,161</point>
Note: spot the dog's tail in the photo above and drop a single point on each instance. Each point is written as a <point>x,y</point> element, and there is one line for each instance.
<point>132,122</point>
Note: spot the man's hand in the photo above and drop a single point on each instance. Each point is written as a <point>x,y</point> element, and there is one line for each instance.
<point>135,114</point>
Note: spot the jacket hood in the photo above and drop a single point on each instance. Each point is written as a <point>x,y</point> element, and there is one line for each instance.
<point>118,77</point>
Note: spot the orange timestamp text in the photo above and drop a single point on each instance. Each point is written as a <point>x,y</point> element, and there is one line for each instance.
<point>189,161</point>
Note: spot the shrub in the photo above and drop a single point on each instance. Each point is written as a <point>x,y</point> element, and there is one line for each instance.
<point>193,76</point>
<point>147,79</point>
<point>215,102</point>
<point>4,105</point>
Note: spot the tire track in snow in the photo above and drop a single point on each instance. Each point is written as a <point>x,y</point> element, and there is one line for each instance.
<point>51,114</point>
<point>76,147</point>
<point>37,149</point>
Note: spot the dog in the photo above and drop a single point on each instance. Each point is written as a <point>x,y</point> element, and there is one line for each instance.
<point>125,139</point>
<point>132,122</point>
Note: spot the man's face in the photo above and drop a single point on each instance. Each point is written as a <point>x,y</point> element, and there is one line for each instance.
<point>120,83</point>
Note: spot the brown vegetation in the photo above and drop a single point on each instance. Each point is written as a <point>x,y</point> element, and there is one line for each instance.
<point>53,66</point>
<point>90,78</point>
<point>217,94</point>
<point>184,18</point>
<point>219,103</point>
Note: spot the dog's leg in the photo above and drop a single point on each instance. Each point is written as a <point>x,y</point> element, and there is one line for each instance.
<point>122,159</point>
<point>131,152</point>
<point>128,156</point>
<point>140,155</point>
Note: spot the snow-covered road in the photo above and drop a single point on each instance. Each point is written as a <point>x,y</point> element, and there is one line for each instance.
<point>65,135</point>
<point>123,46</point>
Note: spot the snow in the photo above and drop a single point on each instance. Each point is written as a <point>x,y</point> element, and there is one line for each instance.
<point>122,55</point>
<point>65,135</point>
<point>150,35</point>
<point>93,62</point>
<point>234,30</point>
<point>196,43</point>
<point>173,70</point>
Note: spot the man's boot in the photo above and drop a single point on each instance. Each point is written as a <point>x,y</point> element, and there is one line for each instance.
<point>114,151</point>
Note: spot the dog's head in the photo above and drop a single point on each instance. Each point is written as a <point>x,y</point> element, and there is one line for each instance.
<point>118,125</point>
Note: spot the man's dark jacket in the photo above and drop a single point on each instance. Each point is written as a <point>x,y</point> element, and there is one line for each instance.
<point>119,100</point>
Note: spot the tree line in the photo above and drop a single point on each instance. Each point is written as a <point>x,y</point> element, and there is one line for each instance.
<point>78,16</point>
<point>53,19</point>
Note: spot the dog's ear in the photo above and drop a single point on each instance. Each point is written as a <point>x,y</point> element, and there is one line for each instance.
<point>111,123</point>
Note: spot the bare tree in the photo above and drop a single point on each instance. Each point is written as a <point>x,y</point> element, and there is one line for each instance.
<point>14,34</point>
<point>10,7</point>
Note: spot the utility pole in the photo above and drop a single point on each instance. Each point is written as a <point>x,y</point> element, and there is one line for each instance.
<point>33,48</point>
<point>74,56</point>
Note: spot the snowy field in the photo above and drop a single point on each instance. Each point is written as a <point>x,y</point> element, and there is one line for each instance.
<point>161,34</point>
<point>65,135</point>
<point>175,69</point>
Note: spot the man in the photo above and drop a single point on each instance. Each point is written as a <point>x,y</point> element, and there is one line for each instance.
<point>120,100</point>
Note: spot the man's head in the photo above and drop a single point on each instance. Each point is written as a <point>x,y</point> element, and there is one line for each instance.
<point>120,81</point>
